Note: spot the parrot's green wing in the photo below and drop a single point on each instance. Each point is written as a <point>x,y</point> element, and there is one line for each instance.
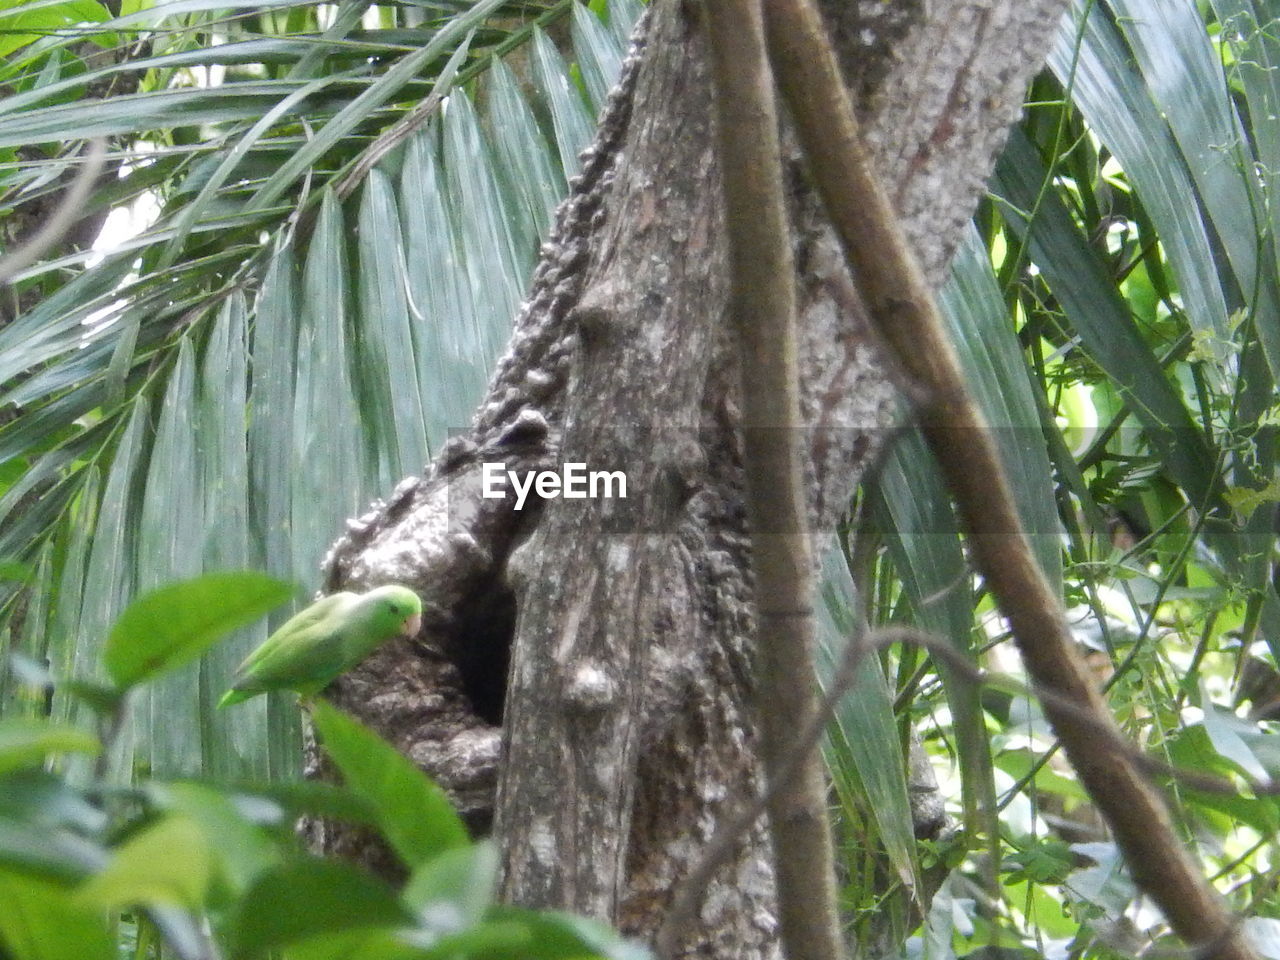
<point>300,622</point>
<point>307,647</point>
<point>330,636</point>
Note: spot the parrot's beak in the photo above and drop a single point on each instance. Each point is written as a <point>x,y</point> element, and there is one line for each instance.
<point>412,626</point>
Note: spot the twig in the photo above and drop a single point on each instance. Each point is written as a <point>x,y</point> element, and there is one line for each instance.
<point>1101,726</point>
<point>905,316</point>
<point>403,128</point>
<point>109,733</point>
<point>70,212</point>
<point>763,306</point>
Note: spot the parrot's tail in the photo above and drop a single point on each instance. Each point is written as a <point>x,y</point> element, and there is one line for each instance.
<point>236,696</point>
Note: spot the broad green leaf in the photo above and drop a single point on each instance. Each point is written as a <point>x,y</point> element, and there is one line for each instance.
<point>304,898</point>
<point>599,55</point>
<point>26,742</point>
<point>99,697</point>
<point>333,448</point>
<point>569,115</point>
<point>53,854</point>
<point>414,814</point>
<point>377,943</point>
<point>239,849</point>
<point>167,863</point>
<point>388,346</point>
<point>551,936</point>
<point>48,801</point>
<point>1191,749</point>
<point>378,92</point>
<point>1098,314</point>
<point>863,728</point>
<point>175,624</point>
<point>313,797</point>
<point>13,570</point>
<point>232,746</point>
<point>1106,87</point>
<point>453,890</point>
<point>92,606</point>
<point>500,940</point>
<point>493,272</point>
<point>45,828</point>
<point>41,920</point>
<point>20,26</point>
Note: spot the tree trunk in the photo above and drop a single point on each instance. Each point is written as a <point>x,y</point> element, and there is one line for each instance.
<point>628,727</point>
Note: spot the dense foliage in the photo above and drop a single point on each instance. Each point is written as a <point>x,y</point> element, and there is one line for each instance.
<point>239,356</point>
<point>306,173</point>
<point>94,870</point>
<point>1117,307</point>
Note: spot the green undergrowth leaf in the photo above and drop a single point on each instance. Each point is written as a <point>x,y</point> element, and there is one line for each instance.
<point>174,624</point>
<point>26,742</point>
<point>167,863</point>
<point>307,897</point>
<point>413,813</point>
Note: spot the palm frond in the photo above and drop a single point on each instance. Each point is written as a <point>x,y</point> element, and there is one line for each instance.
<point>270,354</point>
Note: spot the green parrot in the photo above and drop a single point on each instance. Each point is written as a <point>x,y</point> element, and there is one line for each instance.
<point>326,639</point>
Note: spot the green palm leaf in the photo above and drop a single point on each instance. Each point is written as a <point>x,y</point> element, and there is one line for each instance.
<point>195,400</point>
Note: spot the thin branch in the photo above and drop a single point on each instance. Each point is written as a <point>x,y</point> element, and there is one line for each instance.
<point>1100,726</point>
<point>719,851</point>
<point>763,307</point>
<point>905,316</point>
<point>70,211</point>
<point>405,127</point>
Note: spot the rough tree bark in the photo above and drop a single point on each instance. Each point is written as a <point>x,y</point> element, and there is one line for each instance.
<point>628,729</point>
